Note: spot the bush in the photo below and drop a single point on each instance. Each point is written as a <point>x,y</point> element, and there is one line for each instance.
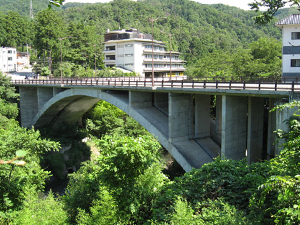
<point>37,211</point>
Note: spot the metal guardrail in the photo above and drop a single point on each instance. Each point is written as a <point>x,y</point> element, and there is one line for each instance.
<point>164,82</point>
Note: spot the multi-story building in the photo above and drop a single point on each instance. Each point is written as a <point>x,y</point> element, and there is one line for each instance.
<point>8,59</point>
<point>291,45</point>
<point>132,50</point>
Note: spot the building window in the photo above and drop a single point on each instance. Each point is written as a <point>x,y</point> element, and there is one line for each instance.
<point>128,55</point>
<point>9,51</point>
<point>295,35</point>
<point>10,58</point>
<point>129,64</point>
<point>129,45</point>
<point>295,63</point>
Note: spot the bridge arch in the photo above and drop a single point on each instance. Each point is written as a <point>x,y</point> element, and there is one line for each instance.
<point>178,117</point>
<point>70,105</point>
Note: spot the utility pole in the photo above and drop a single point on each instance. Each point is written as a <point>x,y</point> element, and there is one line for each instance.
<point>31,10</point>
<point>153,20</point>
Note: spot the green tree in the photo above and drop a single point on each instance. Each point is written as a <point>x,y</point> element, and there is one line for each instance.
<point>49,28</point>
<point>272,7</point>
<point>17,30</point>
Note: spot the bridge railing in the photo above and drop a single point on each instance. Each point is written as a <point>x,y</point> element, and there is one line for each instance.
<point>167,83</point>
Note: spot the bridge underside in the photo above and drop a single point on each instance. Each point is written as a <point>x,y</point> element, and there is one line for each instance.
<point>182,123</point>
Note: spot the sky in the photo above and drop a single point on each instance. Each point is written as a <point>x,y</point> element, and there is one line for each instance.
<point>243,4</point>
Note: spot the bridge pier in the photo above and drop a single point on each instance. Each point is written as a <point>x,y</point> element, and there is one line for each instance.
<point>234,127</point>
<point>271,128</point>
<point>202,116</point>
<point>255,129</point>
<point>179,117</point>
<point>218,125</point>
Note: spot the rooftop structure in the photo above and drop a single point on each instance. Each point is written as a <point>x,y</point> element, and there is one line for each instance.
<point>132,50</point>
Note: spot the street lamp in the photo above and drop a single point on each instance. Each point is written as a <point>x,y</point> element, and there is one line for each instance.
<point>153,20</point>
<point>60,39</point>
<point>170,35</point>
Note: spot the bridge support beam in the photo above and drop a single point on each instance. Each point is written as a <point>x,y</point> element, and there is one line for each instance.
<point>179,117</point>
<point>255,129</point>
<point>28,105</point>
<point>202,116</point>
<point>234,127</point>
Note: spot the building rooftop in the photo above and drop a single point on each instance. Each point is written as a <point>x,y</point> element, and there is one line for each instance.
<point>292,19</point>
<point>125,34</point>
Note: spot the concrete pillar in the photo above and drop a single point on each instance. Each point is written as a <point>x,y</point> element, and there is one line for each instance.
<point>28,105</point>
<point>218,128</point>
<point>140,99</point>
<point>271,128</point>
<point>43,95</point>
<point>255,129</point>
<point>179,117</point>
<point>161,101</point>
<point>202,116</point>
<point>234,127</point>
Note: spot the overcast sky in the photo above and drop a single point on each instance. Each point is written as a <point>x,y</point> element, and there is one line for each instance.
<point>243,4</point>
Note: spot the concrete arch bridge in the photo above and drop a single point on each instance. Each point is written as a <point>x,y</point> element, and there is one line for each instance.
<point>176,113</point>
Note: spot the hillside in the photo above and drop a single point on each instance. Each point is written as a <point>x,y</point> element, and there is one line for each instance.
<point>23,6</point>
<point>197,29</point>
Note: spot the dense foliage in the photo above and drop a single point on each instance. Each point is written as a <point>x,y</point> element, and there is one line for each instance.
<point>15,180</point>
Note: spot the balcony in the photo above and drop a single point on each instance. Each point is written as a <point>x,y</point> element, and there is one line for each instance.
<point>164,69</point>
<point>109,51</point>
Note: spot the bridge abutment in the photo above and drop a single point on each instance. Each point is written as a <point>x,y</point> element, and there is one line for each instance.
<point>28,105</point>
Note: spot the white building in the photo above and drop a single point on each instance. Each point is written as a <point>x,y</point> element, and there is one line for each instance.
<point>23,60</point>
<point>8,59</point>
<point>291,46</point>
<point>132,50</point>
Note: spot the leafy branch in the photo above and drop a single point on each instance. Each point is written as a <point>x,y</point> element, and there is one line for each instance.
<point>19,155</point>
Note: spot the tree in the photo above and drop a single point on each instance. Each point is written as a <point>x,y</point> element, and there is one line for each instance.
<point>17,30</point>
<point>49,27</point>
<point>272,7</point>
